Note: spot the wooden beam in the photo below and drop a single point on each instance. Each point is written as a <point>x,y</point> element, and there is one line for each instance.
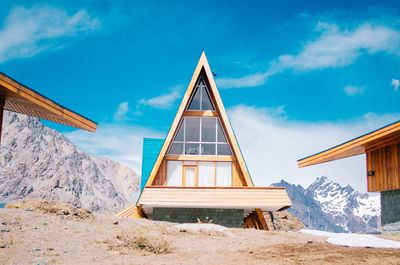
<point>261,219</point>
<point>200,158</point>
<point>199,113</point>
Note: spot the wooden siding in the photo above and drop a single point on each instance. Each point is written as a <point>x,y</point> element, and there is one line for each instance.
<point>267,199</point>
<point>384,162</point>
<point>21,99</point>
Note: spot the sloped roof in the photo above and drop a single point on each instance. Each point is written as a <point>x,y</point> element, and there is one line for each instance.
<point>357,146</point>
<point>202,68</point>
<point>21,99</point>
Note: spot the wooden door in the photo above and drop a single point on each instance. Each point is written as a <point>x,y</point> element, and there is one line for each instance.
<point>189,176</point>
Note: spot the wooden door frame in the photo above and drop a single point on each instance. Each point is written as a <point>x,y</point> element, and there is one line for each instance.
<point>196,180</point>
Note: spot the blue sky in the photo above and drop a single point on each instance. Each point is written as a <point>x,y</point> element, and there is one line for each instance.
<point>296,77</point>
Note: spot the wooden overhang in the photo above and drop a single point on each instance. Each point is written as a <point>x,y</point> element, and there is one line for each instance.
<point>360,145</point>
<point>247,198</point>
<point>18,98</point>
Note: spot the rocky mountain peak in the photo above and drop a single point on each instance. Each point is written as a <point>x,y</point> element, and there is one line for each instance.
<point>326,205</point>
<point>36,161</point>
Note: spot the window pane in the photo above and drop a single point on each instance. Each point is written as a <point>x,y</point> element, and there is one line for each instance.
<point>192,129</point>
<point>224,150</point>
<point>179,134</point>
<point>206,100</point>
<point>176,149</point>
<point>190,177</point>
<point>195,103</point>
<point>224,174</point>
<point>174,173</point>
<point>221,135</point>
<point>206,174</point>
<point>208,149</point>
<point>191,149</point>
<point>208,132</point>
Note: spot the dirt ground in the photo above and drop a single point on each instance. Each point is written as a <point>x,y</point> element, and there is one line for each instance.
<point>45,238</point>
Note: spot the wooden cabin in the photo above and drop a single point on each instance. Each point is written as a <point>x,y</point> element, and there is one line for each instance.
<point>16,97</point>
<point>382,149</point>
<point>197,173</point>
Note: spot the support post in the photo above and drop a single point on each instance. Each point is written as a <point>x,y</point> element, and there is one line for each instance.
<point>2,103</point>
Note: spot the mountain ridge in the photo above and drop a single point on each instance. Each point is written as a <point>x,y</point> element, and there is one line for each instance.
<point>326,205</point>
<point>37,161</point>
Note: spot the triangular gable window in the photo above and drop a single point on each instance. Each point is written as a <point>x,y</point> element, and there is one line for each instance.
<point>201,99</point>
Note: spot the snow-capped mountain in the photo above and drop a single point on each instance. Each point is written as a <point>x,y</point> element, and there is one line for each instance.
<point>36,161</point>
<point>326,205</point>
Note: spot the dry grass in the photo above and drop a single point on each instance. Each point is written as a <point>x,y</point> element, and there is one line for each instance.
<point>129,241</point>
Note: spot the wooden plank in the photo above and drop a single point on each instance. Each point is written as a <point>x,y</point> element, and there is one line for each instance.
<point>386,172</point>
<point>261,218</point>
<point>199,113</point>
<point>368,167</point>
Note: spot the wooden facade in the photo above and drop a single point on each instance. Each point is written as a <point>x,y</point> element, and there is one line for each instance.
<point>383,168</point>
<point>382,148</point>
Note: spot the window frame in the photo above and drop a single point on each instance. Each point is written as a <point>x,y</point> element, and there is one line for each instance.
<point>196,167</point>
<point>201,96</point>
<point>200,142</point>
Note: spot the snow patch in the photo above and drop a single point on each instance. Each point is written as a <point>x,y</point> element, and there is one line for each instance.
<point>354,240</point>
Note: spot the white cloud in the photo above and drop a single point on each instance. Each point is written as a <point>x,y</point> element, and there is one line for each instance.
<point>165,101</point>
<point>246,81</point>
<point>122,111</point>
<point>121,143</point>
<point>395,83</point>
<point>335,47</point>
<point>272,144</point>
<point>27,32</point>
<point>353,90</point>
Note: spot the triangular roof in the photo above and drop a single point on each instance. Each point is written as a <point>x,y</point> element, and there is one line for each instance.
<point>202,68</point>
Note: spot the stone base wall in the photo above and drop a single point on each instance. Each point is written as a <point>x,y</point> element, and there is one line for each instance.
<point>390,211</point>
<point>225,217</point>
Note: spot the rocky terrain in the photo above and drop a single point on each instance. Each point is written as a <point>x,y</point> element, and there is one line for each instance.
<point>327,206</point>
<point>36,161</point>
<point>54,233</point>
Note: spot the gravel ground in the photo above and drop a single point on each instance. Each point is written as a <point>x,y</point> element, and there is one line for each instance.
<point>43,238</point>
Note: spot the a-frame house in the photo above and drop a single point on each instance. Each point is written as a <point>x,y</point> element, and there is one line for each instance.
<point>198,173</point>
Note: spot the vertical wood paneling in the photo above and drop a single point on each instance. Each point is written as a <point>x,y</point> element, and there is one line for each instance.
<point>368,165</point>
<point>385,162</point>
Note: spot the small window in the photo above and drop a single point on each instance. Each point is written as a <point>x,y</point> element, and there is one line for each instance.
<point>201,99</point>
